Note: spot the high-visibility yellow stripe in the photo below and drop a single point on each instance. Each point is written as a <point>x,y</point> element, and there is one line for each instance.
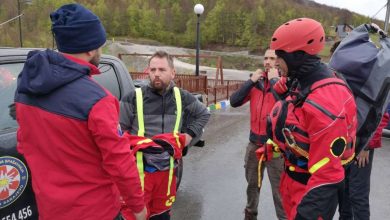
<point>140,167</point>
<point>319,164</point>
<point>140,112</point>
<point>271,142</point>
<point>343,162</point>
<point>171,166</point>
<point>145,141</point>
<point>176,91</point>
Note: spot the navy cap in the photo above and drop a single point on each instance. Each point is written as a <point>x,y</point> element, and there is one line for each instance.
<point>76,29</point>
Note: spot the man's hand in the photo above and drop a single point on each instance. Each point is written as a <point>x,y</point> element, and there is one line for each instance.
<point>363,158</point>
<point>141,215</point>
<point>273,73</point>
<point>188,139</point>
<point>256,76</point>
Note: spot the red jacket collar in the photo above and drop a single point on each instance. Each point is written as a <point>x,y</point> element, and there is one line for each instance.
<point>94,69</point>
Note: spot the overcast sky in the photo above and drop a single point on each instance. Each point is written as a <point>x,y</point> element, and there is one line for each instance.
<point>364,7</point>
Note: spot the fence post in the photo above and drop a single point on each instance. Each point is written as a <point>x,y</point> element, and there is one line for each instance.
<point>227,90</point>
<point>215,95</point>
<point>220,68</point>
<point>197,83</point>
<point>205,84</point>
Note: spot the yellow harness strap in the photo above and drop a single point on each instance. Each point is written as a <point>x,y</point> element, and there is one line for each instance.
<point>140,112</point>
<point>171,166</point>
<point>141,132</point>
<point>259,171</point>
<point>140,167</point>
<point>176,92</point>
<point>178,114</point>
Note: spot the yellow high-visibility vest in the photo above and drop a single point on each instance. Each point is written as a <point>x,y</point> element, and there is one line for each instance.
<point>141,132</point>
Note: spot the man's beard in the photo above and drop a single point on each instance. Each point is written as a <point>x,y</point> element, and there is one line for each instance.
<point>95,60</point>
<point>159,85</point>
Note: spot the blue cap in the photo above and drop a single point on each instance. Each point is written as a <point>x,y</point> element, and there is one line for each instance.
<point>76,29</point>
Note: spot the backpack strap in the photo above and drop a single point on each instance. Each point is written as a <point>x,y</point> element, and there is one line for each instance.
<point>274,93</point>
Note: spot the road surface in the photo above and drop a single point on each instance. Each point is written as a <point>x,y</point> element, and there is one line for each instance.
<point>213,185</point>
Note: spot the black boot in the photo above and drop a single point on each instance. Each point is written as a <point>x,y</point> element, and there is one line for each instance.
<point>249,215</point>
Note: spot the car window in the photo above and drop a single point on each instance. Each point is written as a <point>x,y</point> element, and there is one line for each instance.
<point>108,79</point>
<point>8,76</point>
<point>9,73</point>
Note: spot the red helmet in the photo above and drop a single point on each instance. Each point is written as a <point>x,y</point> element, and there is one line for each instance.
<point>299,34</point>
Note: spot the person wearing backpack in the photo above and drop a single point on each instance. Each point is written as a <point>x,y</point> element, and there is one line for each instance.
<point>315,127</point>
<point>354,199</point>
<point>355,203</point>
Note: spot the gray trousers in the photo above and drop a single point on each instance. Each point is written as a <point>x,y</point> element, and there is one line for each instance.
<point>274,170</point>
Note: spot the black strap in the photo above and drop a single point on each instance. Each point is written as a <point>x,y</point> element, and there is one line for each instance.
<point>302,178</point>
<point>274,93</point>
<point>281,121</point>
<point>294,128</point>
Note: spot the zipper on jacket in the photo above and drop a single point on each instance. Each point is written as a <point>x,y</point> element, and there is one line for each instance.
<point>163,113</point>
<point>262,103</point>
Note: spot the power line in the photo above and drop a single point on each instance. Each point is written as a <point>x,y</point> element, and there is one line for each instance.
<point>5,22</point>
<point>372,17</point>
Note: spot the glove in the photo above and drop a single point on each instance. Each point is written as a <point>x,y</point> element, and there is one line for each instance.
<point>374,28</point>
<point>280,86</point>
<point>260,153</point>
<point>126,211</point>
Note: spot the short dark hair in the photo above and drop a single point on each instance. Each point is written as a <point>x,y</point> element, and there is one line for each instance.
<point>334,46</point>
<point>163,54</point>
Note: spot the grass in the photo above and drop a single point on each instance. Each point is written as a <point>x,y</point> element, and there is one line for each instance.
<point>229,62</point>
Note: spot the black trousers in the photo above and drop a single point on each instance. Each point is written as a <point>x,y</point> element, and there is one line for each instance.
<point>163,216</point>
<point>355,204</point>
<point>118,217</point>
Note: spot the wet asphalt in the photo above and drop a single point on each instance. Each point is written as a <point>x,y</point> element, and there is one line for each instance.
<point>213,184</point>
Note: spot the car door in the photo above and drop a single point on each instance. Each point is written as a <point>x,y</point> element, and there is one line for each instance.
<point>17,200</point>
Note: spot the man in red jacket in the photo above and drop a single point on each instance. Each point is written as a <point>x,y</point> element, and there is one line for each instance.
<point>259,90</point>
<point>356,201</point>
<point>68,127</point>
<point>315,128</point>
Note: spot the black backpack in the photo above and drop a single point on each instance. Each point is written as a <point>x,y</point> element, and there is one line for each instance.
<point>366,69</point>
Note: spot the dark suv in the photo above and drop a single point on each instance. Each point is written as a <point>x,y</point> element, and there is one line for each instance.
<point>17,199</point>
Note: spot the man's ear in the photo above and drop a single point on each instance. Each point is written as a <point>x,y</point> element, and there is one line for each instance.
<point>173,73</point>
<point>91,54</point>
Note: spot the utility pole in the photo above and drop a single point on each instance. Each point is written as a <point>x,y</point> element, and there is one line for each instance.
<point>387,17</point>
<point>198,9</point>
<point>20,25</point>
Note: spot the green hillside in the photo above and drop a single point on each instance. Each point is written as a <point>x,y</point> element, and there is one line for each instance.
<point>239,23</point>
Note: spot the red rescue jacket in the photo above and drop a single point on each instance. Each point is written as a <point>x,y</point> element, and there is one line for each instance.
<point>316,135</point>
<point>376,140</point>
<point>262,96</point>
<point>173,143</point>
<point>69,137</point>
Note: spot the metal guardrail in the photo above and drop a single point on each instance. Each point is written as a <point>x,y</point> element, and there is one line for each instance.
<point>218,69</point>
